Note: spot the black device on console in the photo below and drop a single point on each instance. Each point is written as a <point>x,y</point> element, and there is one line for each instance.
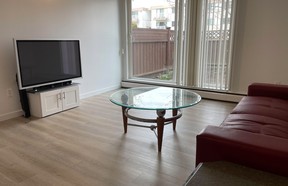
<point>24,101</point>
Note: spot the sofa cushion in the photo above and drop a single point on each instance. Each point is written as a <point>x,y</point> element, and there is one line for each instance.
<point>264,115</point>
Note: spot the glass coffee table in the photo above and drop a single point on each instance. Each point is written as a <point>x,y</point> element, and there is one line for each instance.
<point>159,99</point>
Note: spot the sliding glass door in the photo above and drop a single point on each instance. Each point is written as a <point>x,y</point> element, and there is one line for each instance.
<point>152,45</point>
<point>181,42</point>
<point>215,44</point>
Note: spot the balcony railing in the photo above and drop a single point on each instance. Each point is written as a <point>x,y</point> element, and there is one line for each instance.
<point>153,54</point>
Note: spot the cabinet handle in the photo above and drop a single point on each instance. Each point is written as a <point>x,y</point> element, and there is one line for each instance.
<point>59,96</point>
<point>63,95</point>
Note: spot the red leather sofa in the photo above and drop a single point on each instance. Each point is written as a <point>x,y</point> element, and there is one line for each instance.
<point>254,134</point>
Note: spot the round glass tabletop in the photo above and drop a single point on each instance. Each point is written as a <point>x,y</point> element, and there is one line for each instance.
<point>155,98</point>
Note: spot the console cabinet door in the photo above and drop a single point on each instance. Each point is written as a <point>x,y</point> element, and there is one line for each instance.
<point>51,102</point>
<point>70,97</point>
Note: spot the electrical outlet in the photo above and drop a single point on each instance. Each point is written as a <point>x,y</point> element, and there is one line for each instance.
<point>9,92</point>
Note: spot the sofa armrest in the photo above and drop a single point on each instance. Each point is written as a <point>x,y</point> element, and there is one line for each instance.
<point>268,90</point>
<point>258,151</point>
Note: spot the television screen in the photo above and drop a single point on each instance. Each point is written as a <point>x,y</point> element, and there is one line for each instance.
<point>44,62</point>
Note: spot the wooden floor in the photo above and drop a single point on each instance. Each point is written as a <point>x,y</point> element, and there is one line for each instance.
<point>87,146</point>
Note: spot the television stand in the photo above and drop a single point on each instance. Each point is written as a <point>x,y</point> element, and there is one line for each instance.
<point>45,102</point>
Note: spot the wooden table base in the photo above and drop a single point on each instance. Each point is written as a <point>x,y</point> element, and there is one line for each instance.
<point>160,120</point>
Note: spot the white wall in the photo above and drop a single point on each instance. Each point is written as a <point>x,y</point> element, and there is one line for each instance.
<point>261,51</point>
<point>94,22</point>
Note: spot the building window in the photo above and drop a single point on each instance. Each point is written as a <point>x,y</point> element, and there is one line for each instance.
<point>160,13</point>
<point>134,15</point>
<point>173,23</point>
<point>161,24</point>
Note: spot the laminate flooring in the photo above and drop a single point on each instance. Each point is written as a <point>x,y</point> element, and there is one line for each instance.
<point>87,146</point>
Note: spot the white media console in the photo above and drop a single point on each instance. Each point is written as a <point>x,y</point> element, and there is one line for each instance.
<point>51,101</point>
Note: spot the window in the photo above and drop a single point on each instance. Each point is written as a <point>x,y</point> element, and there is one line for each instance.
<point>134,15</point>
<point>161,25</point>
<point>160,13</point>
<point>173,23</point>
<point>173,10</point>
<point>183,43</point>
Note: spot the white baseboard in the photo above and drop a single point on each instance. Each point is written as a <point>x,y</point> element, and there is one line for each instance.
<point>11,115</point>
<point>97,92</point>
<point>221,96</point>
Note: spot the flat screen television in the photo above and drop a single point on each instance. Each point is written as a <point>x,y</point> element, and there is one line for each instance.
<point>47,62</point>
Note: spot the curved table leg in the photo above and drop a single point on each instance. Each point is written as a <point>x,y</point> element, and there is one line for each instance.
<point>174,113</point>
<point>160,127</point>
<point>125,119</point>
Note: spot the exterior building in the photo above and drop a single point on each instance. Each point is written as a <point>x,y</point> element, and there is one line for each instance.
<point>160,14</point>
<point>157,14</point>
<point>163,17</point>
<point>141,17</point>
